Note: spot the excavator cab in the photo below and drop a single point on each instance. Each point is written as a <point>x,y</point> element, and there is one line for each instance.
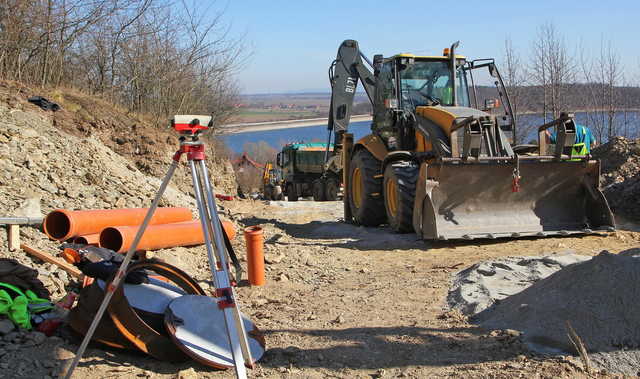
<point>439,160</point>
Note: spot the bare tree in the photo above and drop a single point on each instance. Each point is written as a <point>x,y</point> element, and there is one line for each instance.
<point>152,56</point>
<point>553,69</point>
<point>602,78</point>
<point>514,78</point>
<point>610,77</point>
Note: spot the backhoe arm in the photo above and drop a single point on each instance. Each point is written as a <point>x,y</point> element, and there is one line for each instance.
<point>344,74</point>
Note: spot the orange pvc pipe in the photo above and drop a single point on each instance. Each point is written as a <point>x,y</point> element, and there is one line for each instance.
<point>62,224</point>
<point>255,255</point>
<point>189,233</point>
<point>89,239</point>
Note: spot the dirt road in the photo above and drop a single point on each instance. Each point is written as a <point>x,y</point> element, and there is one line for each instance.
<point>354,302</point>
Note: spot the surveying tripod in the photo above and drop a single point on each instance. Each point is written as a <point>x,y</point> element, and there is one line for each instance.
<point>190,129</point>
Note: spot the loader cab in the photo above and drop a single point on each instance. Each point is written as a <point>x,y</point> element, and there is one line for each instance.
<point>406,82</point>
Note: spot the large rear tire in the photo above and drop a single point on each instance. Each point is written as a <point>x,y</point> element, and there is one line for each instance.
<point>365,190</point>
<point>292,195</point>
<point>318,190</point>
<point>399,195</point>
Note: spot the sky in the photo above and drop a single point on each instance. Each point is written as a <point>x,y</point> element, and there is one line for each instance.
<point>290,44</point>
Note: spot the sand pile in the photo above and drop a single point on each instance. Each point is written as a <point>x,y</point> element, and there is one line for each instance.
<point>598,297</point>
<point>481,285</point>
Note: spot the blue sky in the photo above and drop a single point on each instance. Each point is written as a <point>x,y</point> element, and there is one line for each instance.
<point>292,43</point>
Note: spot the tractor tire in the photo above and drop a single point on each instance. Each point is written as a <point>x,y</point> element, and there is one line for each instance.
<point>268,193</point>
<point>365,190</point>
<point>331,190</point>
<point>318,190</point>
<point>399,195</point>
<point>276,193</point>
<point>292,195</point>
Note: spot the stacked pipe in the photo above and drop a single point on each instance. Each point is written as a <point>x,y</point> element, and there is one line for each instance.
<point>115,229</point>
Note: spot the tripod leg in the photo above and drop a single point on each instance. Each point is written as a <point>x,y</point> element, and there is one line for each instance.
<point>222,256</point>
<point>115,283</point>
<point>206,230</point>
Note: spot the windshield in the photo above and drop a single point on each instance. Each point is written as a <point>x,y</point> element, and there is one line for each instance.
<point>429,82</point>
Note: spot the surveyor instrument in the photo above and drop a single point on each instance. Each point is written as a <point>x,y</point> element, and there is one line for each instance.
<point>191,128</point>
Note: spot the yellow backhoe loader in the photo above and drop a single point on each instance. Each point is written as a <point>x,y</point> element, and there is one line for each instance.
<point>440,165</point>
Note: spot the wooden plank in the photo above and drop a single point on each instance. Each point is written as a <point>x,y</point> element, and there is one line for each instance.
<point>70,269</point>
<point>14,237</point>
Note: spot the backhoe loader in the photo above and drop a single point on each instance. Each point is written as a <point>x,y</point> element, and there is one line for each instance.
<point>439,165</point>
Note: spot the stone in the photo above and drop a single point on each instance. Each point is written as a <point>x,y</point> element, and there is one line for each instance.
<point>283,278</point>
<point>11,336</point>
<point>189,373</point>
<point>273,258</point>
<point>37,337</point>
<point>6,326</point>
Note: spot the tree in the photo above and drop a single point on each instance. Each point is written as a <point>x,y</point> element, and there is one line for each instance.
<point>514,79</point>
<point>152,56</point>
<point>552,69</point>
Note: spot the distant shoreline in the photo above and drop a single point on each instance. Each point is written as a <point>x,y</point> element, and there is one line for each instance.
<point>286,124</point>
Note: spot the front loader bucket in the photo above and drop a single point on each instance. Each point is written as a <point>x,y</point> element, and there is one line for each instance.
<point>475,200</point>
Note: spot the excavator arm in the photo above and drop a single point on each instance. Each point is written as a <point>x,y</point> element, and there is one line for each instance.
<point>344,74</point>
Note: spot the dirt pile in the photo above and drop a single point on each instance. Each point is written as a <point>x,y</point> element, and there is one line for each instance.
<point>483,284</point>
<point>598,298</point>
<point>144,141</point>
<point>621,175</point>
<point>46,166</point>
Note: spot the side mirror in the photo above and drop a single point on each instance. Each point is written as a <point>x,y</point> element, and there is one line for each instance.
<point>491,104</point>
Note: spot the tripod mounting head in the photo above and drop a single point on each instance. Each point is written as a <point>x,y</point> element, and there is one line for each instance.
<point>191,125</point>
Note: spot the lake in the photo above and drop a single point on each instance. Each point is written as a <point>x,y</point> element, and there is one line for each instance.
<point>318,133</point>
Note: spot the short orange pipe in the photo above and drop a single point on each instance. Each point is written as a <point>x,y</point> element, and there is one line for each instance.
<point>189,233</point>
<point>89,239</point>
<point>255,255</point>
<point>62,224</point>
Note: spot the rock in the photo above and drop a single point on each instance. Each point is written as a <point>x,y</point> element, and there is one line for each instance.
<point>49,364</point>
<point>12,347</point>
<point>189,373</point>
<point>6,326</point>
<point>30,207</point>
<point>282,278</point>
<point>11,336</point>
<point>339,320</point>
<point>273,258</point>
<point>37,337</point>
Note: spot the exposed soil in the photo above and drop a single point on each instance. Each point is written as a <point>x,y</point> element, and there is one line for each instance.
<point>340,300</point>
<point>346,301</point>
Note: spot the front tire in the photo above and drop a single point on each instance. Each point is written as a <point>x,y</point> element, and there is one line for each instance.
<point>399,195</point>
<point>332,188</point>
<point>318,190</point>
<point>268,192</point>
<point>365,189</point>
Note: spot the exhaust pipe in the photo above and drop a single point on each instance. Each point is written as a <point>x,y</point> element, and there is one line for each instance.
<point>189,233</point>
<point>62,224</point>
